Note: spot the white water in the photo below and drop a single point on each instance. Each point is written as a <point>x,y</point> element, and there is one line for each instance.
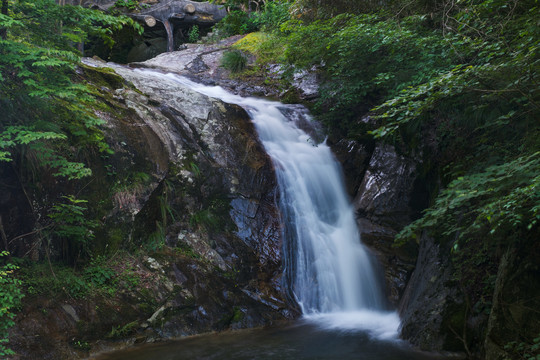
<point>330,272</point>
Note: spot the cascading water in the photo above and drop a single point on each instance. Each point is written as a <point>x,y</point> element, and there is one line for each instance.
<point>330,272</point>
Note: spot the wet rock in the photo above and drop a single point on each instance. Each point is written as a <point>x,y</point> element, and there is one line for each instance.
<point>71,312</point>
<point>385,191</point>
<point>202,248</point>
<point>307,83</point>
<point>382,204</point>
<point>354,158</point>
<point>203,63</point>
<point>196,60</point>
<point>153,264</point>
<point>396,263</point>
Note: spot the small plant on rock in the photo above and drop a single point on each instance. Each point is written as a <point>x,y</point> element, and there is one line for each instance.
<point>194,34</point>
<point>234,60</point>
<point>128,4</point>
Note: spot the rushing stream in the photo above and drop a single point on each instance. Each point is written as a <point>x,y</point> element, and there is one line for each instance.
<point>329,272</point>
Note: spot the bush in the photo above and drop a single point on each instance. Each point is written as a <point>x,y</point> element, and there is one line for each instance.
<point>193,34</point>
<point>234,61</point>
<point>236,23</point>
<point>365,59</point>
<point>274,14</point>
<point>10,298</point>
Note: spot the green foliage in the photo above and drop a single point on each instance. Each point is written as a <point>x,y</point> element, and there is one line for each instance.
<point>98,273</point>
<point>71,223</point>
<point>54,281</point>
<point>118,332</point>
<point>46,109</point>
<point>311,10</point>
<point>499,201</point>
<point>269,18</point>
<point>525,351</point>
<point>80,345</point>
<point>129,4</point>
<point>193,34</point>
<point>10,299</point>
<point>474,84</point>
<point>100,277</point>
<point>273,14</point>
<point>488,129</point>
<point>188,251</point>
<point>48,124</point>
<point>365,59</point>
<point>234,60</point>
<point>14,135</point>
<point>236,22</point>
<point>156,240</point>
<point>267,48</point>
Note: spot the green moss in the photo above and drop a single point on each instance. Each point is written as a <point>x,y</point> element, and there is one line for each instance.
<point>102,77</point>
<point>186,250</point>
<point>238,314</point>
<point>118,332</point>
<point>54,281</point>
<point>115,238</point>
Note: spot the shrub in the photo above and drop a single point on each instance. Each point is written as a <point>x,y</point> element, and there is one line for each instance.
<point>236,23</point>
<point>234,61</point>
<point>10,298</point>
<point>193,34</point>
<point>274,14</point>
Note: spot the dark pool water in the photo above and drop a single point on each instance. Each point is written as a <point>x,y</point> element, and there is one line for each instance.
<point>298,341</point>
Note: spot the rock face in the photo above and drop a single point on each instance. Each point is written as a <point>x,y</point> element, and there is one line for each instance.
<point>513,320</point>
<point>432,309</point>
<point>385,191</point>
<point>212,146</point>
<point>196,61</point>
<point>191,172</point>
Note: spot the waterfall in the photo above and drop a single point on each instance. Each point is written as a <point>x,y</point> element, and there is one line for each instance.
<point>331,274</point>
<point>328,268</point>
